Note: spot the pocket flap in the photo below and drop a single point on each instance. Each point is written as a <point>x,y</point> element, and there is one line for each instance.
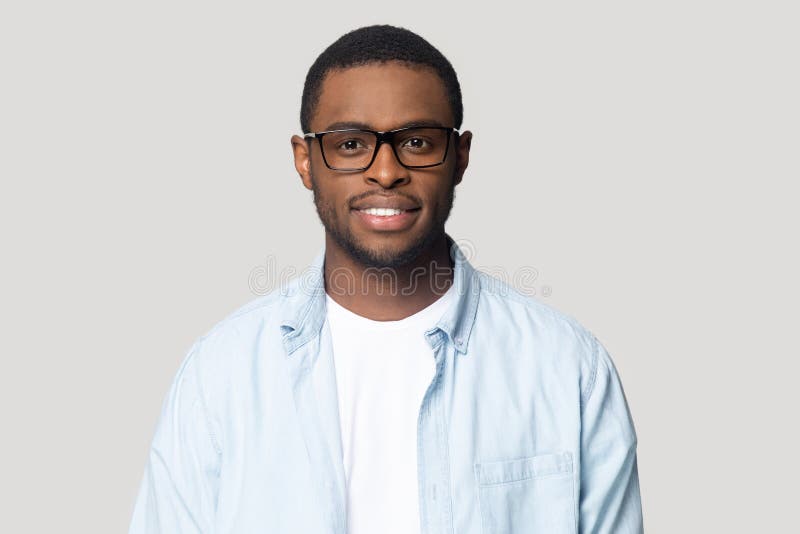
<point>502,471</point>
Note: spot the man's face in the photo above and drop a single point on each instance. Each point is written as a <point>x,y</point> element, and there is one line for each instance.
<point>382,97</point>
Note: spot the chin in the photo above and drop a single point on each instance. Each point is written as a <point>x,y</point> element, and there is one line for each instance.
<point>388,255</point>
<point>382,258</point>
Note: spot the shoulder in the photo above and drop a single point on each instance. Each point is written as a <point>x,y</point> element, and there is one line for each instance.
<point>498,295</point>
<point>543,324</point>
<point>242,321</point>
<point>230,346</point>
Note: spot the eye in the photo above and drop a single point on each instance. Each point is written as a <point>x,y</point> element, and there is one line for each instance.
<point>415,143</point>
<point>350,144</point>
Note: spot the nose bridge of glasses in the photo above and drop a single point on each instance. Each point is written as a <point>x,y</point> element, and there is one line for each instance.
<point>385,138</point>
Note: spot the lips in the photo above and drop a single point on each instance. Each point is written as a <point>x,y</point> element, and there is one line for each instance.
<point>388,220</point>
<point>386,213</point>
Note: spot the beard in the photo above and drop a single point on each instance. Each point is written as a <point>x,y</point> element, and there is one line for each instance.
<point>376,256</point>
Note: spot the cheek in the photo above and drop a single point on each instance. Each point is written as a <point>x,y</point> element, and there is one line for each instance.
<point>443,193</point>
<point>331,197</point>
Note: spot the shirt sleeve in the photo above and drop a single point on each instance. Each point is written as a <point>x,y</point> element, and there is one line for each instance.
<point>610,501</point>
<point>179,488</point>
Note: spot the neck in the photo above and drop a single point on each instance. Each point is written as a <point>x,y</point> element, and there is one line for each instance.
<point>388,294</point>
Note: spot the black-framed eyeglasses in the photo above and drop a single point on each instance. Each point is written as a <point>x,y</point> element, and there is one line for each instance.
<point>414,147</point>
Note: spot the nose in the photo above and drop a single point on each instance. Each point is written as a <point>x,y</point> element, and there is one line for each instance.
<point>385,170</point>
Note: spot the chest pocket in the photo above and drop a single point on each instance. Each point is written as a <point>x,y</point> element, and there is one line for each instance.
<point>527,495</point>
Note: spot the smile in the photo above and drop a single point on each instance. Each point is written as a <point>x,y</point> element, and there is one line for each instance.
<point>387,219</point>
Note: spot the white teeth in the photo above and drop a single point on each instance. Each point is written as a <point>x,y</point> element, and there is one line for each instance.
<point>382,211</point>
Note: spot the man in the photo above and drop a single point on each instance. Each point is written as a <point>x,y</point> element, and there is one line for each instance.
<point>396,389</point>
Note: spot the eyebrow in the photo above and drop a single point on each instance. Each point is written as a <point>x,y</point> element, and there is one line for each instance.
<point>348,125</point>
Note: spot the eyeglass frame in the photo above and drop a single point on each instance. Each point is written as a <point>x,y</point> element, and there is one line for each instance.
<point>384,137</point>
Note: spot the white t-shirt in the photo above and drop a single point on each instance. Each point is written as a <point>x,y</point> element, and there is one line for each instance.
<point>383,369</point>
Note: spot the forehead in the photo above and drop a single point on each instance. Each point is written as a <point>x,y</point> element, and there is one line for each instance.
<point>383,96</point>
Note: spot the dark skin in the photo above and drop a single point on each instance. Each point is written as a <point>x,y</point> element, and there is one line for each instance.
<point>383,97</point>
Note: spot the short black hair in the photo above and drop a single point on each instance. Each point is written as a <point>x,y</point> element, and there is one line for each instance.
<point>378,44</point>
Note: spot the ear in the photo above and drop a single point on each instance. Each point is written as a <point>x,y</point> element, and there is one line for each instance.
<point>302,159</point>
<point>463,144</point>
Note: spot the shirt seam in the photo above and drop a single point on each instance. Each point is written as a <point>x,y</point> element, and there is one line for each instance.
<point>593,374</point>
<point>204,406</point>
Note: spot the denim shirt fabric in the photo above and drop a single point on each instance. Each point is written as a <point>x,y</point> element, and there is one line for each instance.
<point>524,428</point>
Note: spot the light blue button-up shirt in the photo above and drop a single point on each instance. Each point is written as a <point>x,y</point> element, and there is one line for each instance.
<point>524,427</point>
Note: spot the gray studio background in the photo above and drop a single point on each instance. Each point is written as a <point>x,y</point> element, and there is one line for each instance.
<point>641,157</point>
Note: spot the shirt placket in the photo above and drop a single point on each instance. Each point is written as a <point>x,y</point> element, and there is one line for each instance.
<point>433,464</point>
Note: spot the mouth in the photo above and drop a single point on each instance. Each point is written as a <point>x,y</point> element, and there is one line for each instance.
<point>387,219</point>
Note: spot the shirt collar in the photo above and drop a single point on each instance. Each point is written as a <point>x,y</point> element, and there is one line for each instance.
<point>304,309</point>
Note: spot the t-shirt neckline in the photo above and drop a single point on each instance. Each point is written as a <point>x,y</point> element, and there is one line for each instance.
<point>426,316</point>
